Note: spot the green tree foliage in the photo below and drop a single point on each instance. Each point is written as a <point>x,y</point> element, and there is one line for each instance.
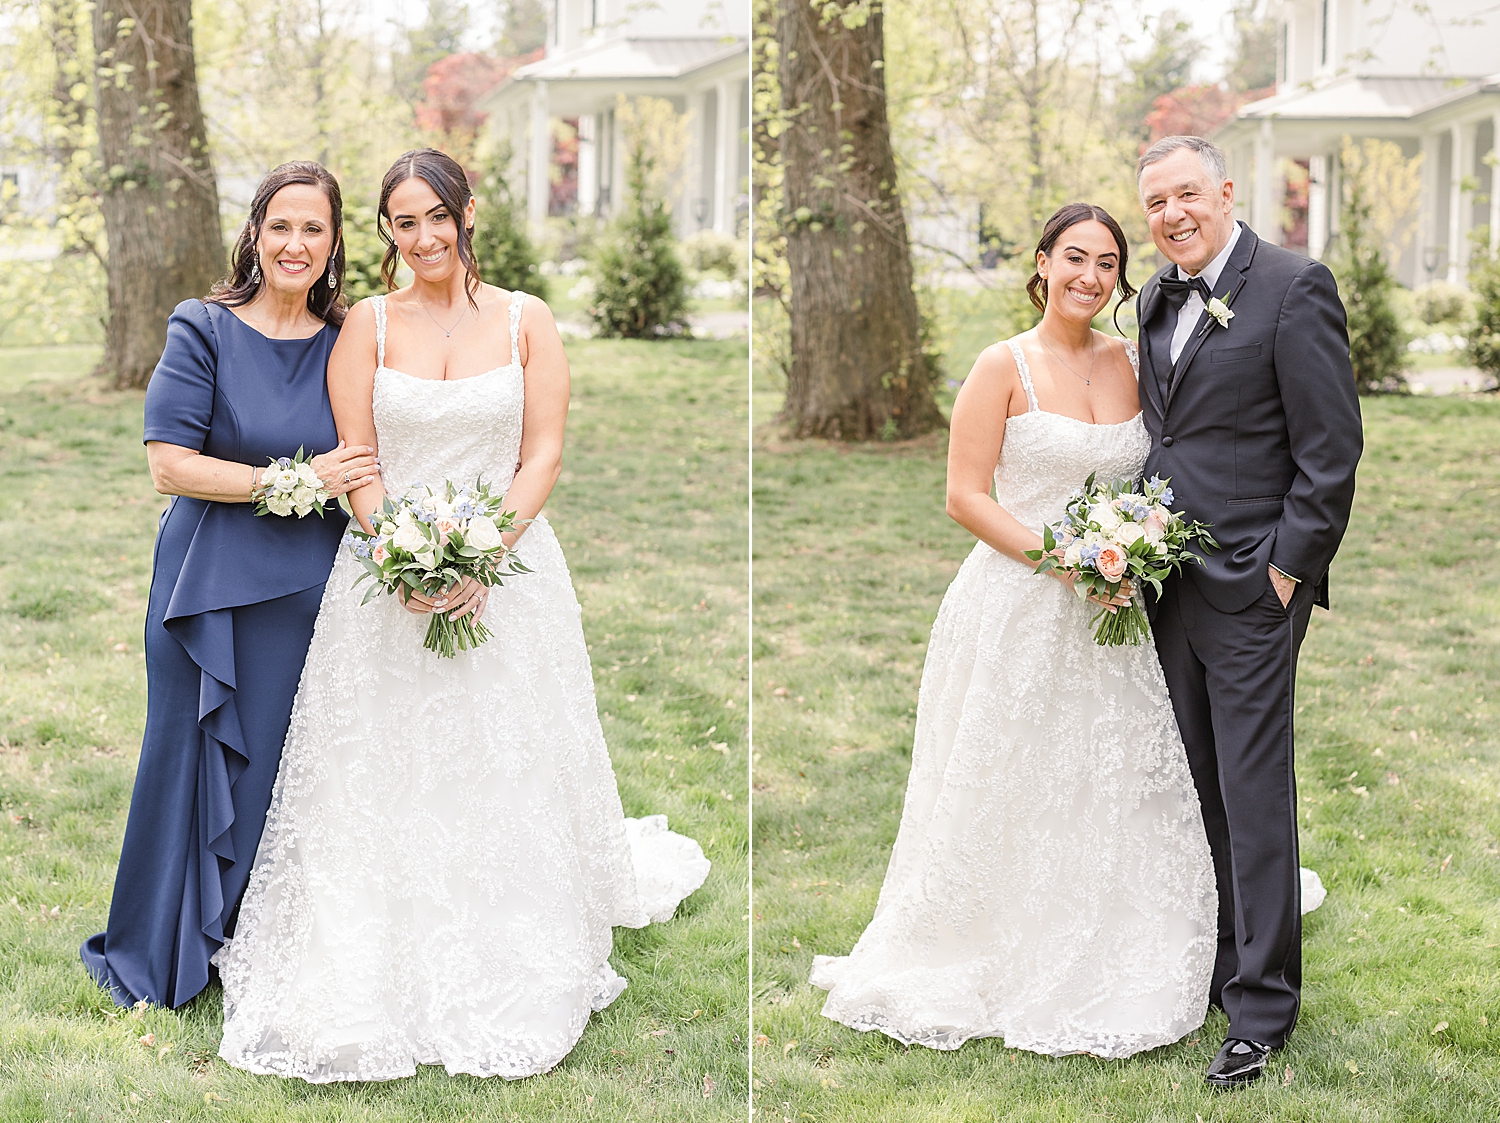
<point>502,247</point>
<point>1165,65</point>
<point>438,36</point>
<point>523,27</point>
<point>365,250</point>
<point>1253,65</point>
<point>640,287</point>
<point>1377,342</point>
<point>1483,347</point>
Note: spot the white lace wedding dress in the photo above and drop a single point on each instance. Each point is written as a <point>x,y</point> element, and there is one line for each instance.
<point>445,851</point>
<point>1051,882</point>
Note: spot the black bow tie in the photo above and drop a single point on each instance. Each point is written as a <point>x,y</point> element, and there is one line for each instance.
<point>1176,290</point>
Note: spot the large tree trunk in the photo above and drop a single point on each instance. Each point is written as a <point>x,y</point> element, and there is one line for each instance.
<point>858,367</point>
<point>159,198</point>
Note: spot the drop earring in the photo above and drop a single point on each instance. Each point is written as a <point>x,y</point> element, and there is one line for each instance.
<point>333,280</point>
<point>255,272</point>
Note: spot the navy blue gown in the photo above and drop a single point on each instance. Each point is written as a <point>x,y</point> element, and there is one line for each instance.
<point>233,601</point>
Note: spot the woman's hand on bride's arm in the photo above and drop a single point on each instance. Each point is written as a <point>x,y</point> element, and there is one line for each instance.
<point>351,391</point>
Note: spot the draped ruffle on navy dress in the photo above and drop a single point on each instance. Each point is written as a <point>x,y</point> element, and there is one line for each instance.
<point>234,598</point>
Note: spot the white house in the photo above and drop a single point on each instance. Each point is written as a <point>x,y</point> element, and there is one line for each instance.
<point>694,53</point>
<point>1426,76</point>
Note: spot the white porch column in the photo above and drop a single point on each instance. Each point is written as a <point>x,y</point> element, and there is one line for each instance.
<point>1263,209</point>
<point>539,161</point>
<point>588,163</point>
<point>1458,226</point>
<point>1428,237</point>
<point>692,181</point>
<point>726,137</point>
<point>1317,206</point>
<point>1495,183</point>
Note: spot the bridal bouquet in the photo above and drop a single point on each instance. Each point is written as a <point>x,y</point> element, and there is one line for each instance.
<point>1111,534</point>
<point>428,541</point>
<point>290,486</point>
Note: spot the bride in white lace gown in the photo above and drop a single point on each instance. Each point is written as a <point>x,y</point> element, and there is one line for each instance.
<point>1051,882</point>
<point>445,851</point>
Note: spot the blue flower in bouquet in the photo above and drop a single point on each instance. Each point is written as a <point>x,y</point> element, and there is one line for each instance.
<point>283,462</point>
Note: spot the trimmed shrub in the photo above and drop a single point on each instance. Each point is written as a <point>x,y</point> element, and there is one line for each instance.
<point>1483,346</point>
<point>503,249</point>
<point>640,287</point>
<point>1377,342</point>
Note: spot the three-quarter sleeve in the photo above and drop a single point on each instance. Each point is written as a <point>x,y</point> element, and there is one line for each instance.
<point>180,395</point>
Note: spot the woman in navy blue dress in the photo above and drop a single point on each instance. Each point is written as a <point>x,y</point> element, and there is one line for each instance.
<point>233,596</point>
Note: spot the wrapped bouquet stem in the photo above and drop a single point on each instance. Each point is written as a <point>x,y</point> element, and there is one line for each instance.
<point>427,542</point>
<point>1118,533</point>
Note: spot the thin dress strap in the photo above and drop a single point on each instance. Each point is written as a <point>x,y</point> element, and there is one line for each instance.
<point>517,300</point>
<point>1025,372</point>
<point>378,303</point>
<point>1133,353</point>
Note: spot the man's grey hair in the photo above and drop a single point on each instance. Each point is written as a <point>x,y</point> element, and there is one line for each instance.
<point>1209,153</point>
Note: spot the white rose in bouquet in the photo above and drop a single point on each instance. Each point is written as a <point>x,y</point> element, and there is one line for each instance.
<point>409,537</point>
<point>1127,534</point>
<point>307,476</point>
<point>284,480</point>
<point>483,535</point>
<point>1106,516</point>
<point>1073,555</point>
<point>427,558</point>
<point>279,502</point>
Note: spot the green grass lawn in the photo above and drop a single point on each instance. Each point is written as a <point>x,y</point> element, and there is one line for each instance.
<point>651,512</point>
<point>1398,764</point>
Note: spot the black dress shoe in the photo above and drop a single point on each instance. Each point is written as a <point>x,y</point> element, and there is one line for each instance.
<point>1238,1063</point>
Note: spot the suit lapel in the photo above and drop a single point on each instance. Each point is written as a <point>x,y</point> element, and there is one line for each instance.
<point>1231,280</point>
<point>1146,308</point>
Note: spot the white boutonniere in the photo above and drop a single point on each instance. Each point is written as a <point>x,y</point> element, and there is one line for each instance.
<point>1219,310</point>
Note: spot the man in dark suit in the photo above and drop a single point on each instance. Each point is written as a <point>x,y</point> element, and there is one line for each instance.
<point>1248,395</point>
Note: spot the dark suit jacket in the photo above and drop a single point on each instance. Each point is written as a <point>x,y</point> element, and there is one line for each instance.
<point>1260,431</point>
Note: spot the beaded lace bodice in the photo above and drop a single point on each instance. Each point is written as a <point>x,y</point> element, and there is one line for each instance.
<point>1046,456</point>
<point>431,430</point>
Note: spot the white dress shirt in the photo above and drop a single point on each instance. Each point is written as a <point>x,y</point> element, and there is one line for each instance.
<point>1192,307</point>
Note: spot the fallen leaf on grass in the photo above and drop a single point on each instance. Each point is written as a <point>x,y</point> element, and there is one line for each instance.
<point>655,1033</point>
<point>147,1039</point>
<point>762,1039</point>
<point>691,1016</point>
<point>1287,1077</point>
<point>1352,1067</point>
<point>214,1097</point>
<point>708,1086</point>
<point>164,1050</point>
<point>1444,867</point>
<point>1437,1029</point>
<point>786,1050</point>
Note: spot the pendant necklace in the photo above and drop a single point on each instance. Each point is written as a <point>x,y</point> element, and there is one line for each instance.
<point>448,332</point>
<point>1088,379</point>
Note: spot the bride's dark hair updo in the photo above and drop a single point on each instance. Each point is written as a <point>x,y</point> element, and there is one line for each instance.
<point>1068,216</point>
<point>324,301</point>
<point>446,177</point>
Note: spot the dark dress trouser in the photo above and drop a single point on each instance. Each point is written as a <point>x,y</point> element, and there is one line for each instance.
<point>1232,678</point>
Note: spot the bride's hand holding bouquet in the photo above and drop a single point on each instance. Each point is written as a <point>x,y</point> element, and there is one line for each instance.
<point>1111,542</point>
<point>436,549</point>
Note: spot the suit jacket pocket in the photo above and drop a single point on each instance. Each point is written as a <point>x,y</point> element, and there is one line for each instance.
<point>1234,354</point>
<point>1254,499</point>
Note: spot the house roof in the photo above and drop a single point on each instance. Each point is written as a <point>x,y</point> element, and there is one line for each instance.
<point>624,59</point>
<point>1356,97</point>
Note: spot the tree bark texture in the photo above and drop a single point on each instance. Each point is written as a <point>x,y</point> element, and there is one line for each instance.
<point>158,195</point>
<point>858,367</point>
